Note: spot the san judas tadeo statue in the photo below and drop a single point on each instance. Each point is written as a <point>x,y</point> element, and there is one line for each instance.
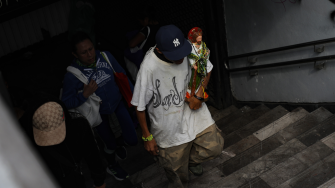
<point>198,61</point>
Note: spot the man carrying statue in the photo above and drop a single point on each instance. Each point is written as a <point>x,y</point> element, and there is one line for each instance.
<point>182,134</point>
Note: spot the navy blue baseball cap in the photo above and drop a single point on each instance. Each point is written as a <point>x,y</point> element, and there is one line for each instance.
<point>172,43</point>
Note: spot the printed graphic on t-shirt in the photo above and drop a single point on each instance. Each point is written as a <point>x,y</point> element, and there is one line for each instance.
<point>88,73</point>
<point>100,76</point>
<point>176,96</point>
<point>103,65</point>
<point>161,89</point>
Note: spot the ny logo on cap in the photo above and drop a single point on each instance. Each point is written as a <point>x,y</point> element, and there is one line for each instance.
<point>176,42</point>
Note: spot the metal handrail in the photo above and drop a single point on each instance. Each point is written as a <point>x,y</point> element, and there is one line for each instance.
<point>282,48</point>
<point>285,63</point>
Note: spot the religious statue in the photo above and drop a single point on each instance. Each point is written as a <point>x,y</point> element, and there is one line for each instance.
<point>198,61</point>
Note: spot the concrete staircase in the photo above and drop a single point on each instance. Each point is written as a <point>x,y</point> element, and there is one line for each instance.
<point>271,147</point>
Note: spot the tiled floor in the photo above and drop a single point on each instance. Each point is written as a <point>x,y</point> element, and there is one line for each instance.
<point>296,150</point>
<point>274,148</point>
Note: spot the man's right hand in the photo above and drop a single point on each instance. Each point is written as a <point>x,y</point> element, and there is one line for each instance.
<point>193,103</point>
<point>151,147</point>
<point>90,88</point>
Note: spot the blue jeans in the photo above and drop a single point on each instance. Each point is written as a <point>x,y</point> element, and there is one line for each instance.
<point>129,135</point>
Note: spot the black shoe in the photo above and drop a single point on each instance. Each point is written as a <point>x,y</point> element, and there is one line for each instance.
<point>117,171</point>
<point>121,153</point>
<point>196,170</point>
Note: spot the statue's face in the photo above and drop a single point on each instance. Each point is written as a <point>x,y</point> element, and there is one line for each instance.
<point>195,35</point>
<point>199,39</point>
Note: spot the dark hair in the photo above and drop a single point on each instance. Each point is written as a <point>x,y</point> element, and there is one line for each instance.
<point>147,11</point>
<point>77,38</point>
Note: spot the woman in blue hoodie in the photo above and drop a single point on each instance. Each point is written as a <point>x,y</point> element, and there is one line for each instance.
<point>100,74</point>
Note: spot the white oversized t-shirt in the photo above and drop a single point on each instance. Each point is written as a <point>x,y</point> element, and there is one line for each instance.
<point>161,87</point>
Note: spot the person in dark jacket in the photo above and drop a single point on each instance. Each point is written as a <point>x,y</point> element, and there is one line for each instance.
<point>100,74</point>
<point>60,141</point>
<point>147,18</point>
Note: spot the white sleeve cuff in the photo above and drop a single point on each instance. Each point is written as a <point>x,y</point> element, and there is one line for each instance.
<point>209,66</point>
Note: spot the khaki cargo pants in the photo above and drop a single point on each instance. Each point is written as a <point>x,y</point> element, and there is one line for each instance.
<point>175,160</point>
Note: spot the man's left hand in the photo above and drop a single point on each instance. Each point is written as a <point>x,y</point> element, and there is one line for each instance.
<point>193,103</point>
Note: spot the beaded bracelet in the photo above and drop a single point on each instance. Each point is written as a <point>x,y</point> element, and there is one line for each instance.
<point>149,138</point>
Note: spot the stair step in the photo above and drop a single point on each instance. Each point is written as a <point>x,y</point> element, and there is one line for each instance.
<point>243,145</point>
<point>232,117</point>
<point>206,179</point>
<point>158,180</point>
<point>263,121</point>
<point>255,183</point>
<point>152,170</point>
<point>231,139</point>
<point>330,141</point>
<point>315,175</point>
<point>314,153</point>
<point>328,184</point>
<point>304,124</point>
<point>319,132</point>
<point>243,159</point>
<point>259,166</point>
<point>280,124</point>
<point>255,125</point>
<point>219,114</point>
<point>245,119</point>
<point>296,164</point>
<point>252,152</point>
<point>283,171</point>
<point>252,140</point>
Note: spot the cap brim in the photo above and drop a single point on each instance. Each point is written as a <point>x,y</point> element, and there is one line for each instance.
<point>50,138</point>
<point>180,52</point>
